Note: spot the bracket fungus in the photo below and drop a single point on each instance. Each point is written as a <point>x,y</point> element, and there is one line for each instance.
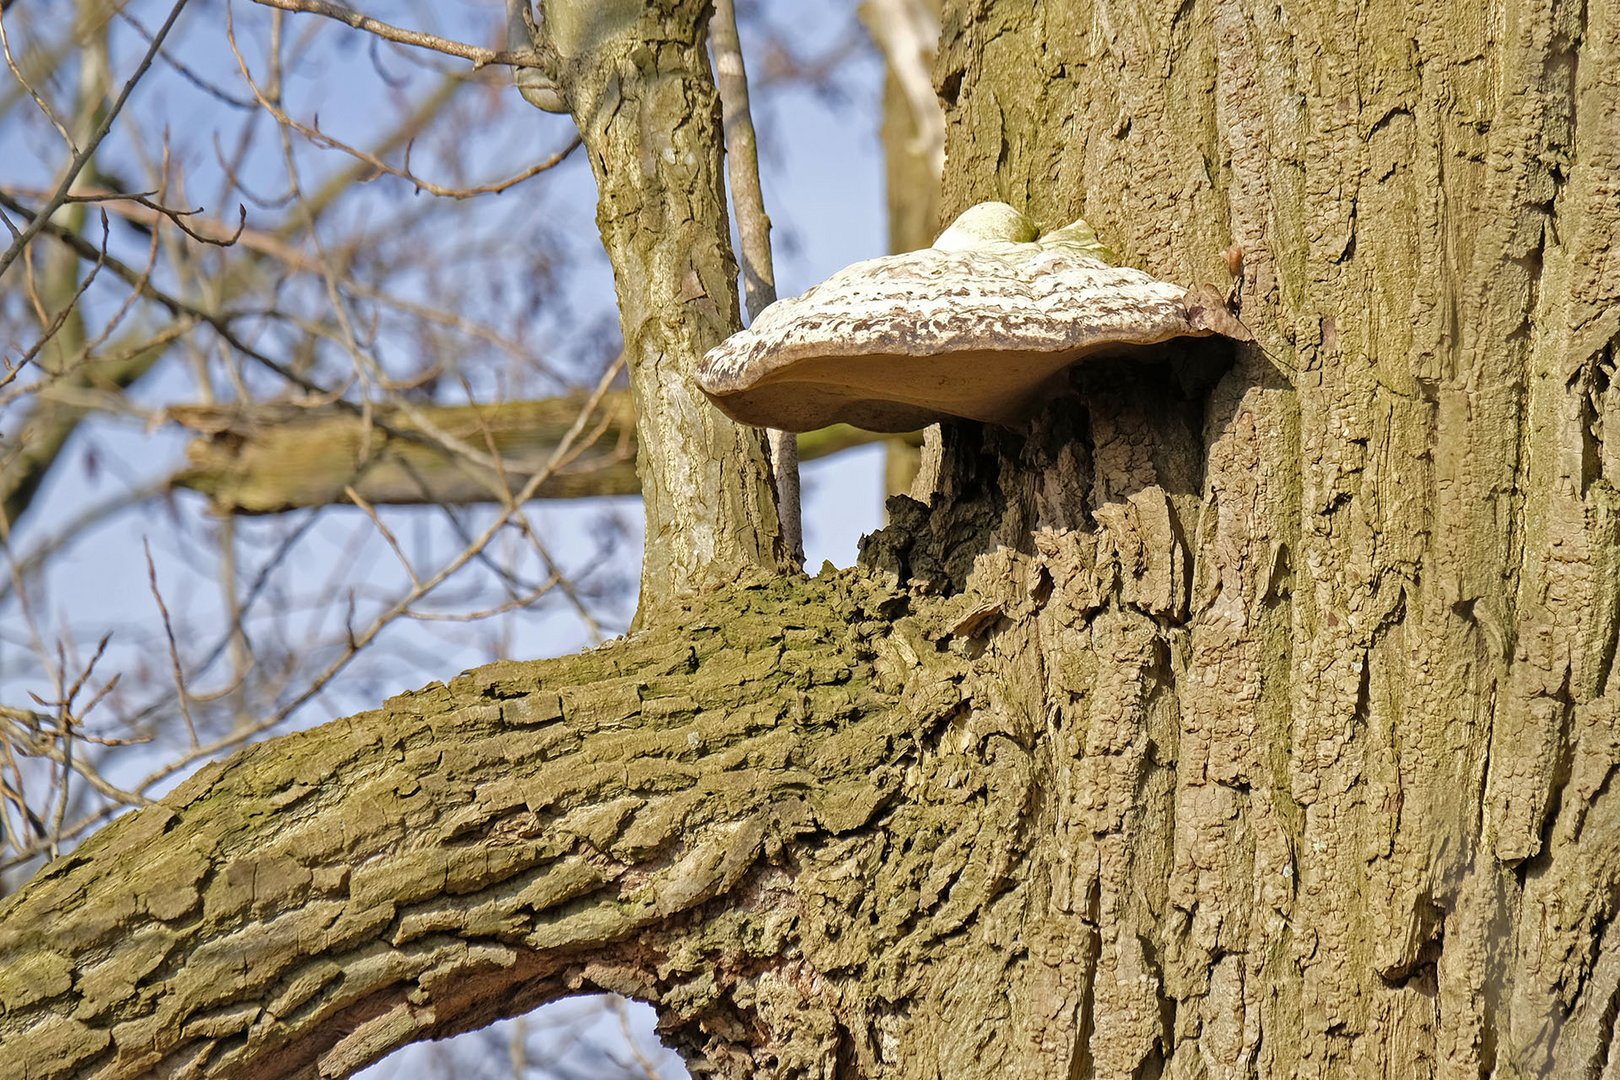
<point>973,327</point>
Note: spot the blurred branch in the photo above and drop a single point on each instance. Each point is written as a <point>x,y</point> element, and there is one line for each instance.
<point>345,267</point>
<point>83,154</point>
<point>75,528</point>
<point>42,59</point>
<point>320,138</point>
<point>321,199</point>
<point>56,414</point>
<point>51,427</point>
<point>141,282</point>
<point>52,423</point>
<point>275,457</point>
<point>913,135</point>
<point>220,321</point>
<point>185,71</point>
<point>907,32</point>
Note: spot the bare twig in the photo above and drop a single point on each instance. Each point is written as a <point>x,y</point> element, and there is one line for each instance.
<point>480,57</point>
<point>387,535</point>
<point>61,315</point>
<point>217,93</point>
<point>65,733</point>
<point>320,138</point>
<point>235,310</point>
<point>649,1071</point>
<point>366,364</point>
<point>176,305</point>
<point>76,528</point>
<point>36,735</point>
<point>219,237</point>
<point>42,386</point>
<point>174,649</point>
<point>22,81</point>
<point>82,157</point>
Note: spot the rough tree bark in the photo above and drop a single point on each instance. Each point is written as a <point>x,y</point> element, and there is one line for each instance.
<point>1379,836</point>
<point>1248,716</point>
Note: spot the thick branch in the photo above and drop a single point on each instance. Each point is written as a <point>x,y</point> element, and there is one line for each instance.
<point>467,851</point>
<point>275,458</point>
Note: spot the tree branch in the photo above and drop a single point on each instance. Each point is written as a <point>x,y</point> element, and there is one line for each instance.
<point>470,851</point>
<point>83,154</point>
<point>754,231</point>
<point>278,457</point>
<point>480,57</point>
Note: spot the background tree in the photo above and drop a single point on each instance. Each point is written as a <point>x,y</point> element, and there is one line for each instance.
<point>1246,715</point>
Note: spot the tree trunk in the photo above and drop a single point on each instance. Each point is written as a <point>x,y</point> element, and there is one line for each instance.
<point>637,80</point>
<point>1247,715</point>
<point>1342,799</point>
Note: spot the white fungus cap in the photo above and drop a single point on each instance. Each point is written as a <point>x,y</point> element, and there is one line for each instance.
<point>971,327</point>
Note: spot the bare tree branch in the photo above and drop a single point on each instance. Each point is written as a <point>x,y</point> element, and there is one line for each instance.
<point>321,138</point>
<point>84,153</point>
<point>480,57</point>
<point>275,457</point>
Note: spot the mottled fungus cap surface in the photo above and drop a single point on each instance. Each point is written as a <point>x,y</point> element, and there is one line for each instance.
<point>973,327</point>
